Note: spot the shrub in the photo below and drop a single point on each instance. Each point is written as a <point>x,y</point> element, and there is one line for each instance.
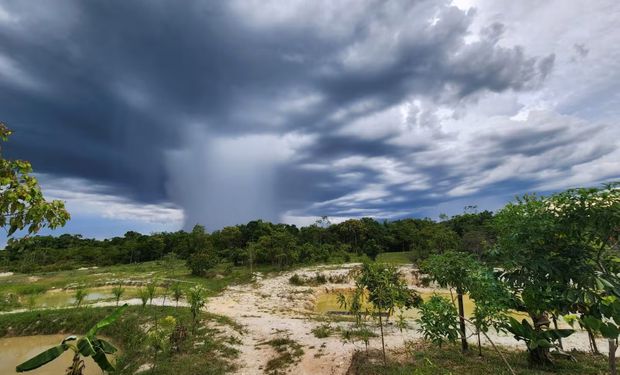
<point>322,331</point>
<point>438,320</point>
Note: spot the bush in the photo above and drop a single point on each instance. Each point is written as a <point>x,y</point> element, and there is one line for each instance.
<point>200,263</point>
<point>322,331</point>
<point>296,280</point>
<point>438,320</point>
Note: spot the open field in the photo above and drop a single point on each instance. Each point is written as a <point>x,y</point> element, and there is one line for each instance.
<point>270,324</point>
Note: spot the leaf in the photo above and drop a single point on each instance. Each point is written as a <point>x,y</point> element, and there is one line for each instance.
<point>101,360</point>
<point>85,347</point>
<point>105,346</point>
<point>560,333</point>
<point>609,331</point>
<point>42,358</point>
<point>106,321</point>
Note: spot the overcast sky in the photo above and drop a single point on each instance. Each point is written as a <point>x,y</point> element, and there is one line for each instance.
<point>156,115</point>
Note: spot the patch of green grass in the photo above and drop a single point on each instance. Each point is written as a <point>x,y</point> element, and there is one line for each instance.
<point>396,257</point>
<point>204,352</point>
<point>427,359</point>
<point>288,352</point>
<point>322,331</point>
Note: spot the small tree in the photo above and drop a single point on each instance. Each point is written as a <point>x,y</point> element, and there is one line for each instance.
<point>196,297</point>
<point>454,270</point>
<point>79,296</point>
<point>118,292</point>
<point>492,302</point>
<point>150,289</point>
<point>386,292</point>
<point>87,346</point>
<point>177,292</point>
<point>144,296</point>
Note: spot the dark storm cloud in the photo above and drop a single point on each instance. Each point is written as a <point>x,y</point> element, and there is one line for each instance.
<point>105,91</point>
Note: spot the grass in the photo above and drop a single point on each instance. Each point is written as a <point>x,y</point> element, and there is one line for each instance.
<point>288,352</point>
<point>15,289</point>
<point>322,331</point>
<point>396,257</point>
<point>205,352</point>
<point>426,359</point>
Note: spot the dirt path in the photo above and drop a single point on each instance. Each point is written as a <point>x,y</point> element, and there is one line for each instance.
<point>273,308</point>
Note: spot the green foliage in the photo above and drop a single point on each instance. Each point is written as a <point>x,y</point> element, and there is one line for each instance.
<point>385,290</point>
<point>202,262</point>
<point>552,251</point>
<point>317,279</point>
<point>322,331</point>
<point>80,295</point>
<point>160,335</point>
<point>144,296</point>
<point>22,205</point>
<point>87,346</point>
<point>438,320</point>
<point>196,297</point>
<point>177,292</point>
<point>205,352</point>
<point>534,338</point>
<point>425,359</point>
<point>118,292</point>
<point>151,287</point>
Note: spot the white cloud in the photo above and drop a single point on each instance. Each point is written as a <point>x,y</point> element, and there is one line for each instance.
<point>85,198</point>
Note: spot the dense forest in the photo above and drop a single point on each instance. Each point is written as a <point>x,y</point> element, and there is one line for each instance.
<point>260,243</point>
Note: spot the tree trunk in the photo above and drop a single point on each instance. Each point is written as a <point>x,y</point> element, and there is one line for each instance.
<point>459,297</point>
<point>613,345</point>
<point>539,356</point>
<point>479,346</point>
<point>592,341</point>
<point>382,340</point>
<point>555,325</point>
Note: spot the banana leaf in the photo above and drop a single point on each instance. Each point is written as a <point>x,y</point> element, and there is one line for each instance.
<point>106,322</point>
<point>101,360</point>
<point>85,347</point>
<point>42,358</point>
<point>105,346</point>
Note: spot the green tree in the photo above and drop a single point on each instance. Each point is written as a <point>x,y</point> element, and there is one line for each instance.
<point>197,298</point>
<point>79,295</point>
<point>552,249</point>
<point>118,292</point>
<point>386,291</point>
<point>150,290</point>
<point>144,296</point>
<point>202,262</point>
<point>177,292</point>
<point>22,205</point>
<point>454,270</point>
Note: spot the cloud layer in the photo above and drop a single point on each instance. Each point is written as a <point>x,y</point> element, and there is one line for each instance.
<point>250,109</point>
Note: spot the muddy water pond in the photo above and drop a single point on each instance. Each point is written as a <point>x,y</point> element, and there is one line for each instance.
<point>15,350</point>
<point>328,303</point>
<point>65,297</point>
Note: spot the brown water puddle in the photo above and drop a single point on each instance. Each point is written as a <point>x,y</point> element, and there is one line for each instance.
<point>328,302</point>
<point>15,350</point>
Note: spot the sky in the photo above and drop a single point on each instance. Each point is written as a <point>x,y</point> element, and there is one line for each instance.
<point>158,115</point>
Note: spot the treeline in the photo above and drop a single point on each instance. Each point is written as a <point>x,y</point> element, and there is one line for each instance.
<point>259,243</point>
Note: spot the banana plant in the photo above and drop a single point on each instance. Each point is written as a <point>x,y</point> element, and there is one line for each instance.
<point>87,346</point>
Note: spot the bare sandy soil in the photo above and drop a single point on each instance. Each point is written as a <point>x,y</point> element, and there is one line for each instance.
<point>272,308</point>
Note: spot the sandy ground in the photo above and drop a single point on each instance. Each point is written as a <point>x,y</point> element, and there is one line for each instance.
<point>272,308</point>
